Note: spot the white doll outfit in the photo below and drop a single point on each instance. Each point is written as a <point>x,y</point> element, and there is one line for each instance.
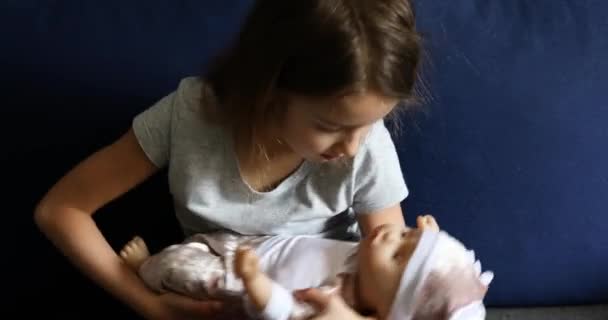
<point>442,280</point>
<point>202,267</point>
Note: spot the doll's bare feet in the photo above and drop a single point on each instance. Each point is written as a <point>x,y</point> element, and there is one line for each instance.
<point>427,222</point>
<point>257,285</point>
<point>135,252</point>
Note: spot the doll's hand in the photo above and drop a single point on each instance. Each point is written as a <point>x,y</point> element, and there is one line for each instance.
<point>328,306</point>
<point>427,222</point>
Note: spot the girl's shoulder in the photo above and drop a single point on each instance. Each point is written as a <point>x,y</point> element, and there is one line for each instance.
<point>377,142</point>
<point>196,102</point>
<point>195,94</point>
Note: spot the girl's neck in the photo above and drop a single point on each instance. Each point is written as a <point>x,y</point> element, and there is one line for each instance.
<point>266,166</point>
<point>266,149</point>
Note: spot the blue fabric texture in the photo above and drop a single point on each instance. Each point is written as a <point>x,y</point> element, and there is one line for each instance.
<point>510,154</point>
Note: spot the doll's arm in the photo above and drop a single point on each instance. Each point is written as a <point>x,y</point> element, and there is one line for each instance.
<point>257,284</point>
<point>266,297</point>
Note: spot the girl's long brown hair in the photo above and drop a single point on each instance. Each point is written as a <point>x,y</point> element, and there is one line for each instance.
<point>316,48</point>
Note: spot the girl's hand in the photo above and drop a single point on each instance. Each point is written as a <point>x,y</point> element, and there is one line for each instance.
<point>330,307</point>
<point>171,306</point>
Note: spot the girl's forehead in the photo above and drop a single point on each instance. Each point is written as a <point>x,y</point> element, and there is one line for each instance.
<point>368,99</point>
<point>355,109</point>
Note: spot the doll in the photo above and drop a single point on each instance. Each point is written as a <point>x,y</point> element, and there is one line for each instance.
<point>393,273</point>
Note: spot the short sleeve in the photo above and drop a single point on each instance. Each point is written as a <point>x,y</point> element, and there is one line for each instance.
<point>378,178</point>
<point>152,128</point>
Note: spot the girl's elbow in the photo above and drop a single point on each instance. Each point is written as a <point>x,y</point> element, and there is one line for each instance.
<point>42,214</point>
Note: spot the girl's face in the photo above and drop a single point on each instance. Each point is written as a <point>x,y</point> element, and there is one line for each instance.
<point>325,129</point>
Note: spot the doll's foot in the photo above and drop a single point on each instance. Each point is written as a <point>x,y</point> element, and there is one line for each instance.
<point>427,222</point>
<point>246,264</point>
<point>135,253</point>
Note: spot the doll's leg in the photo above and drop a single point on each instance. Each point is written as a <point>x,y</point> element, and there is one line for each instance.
<point>190,269</point>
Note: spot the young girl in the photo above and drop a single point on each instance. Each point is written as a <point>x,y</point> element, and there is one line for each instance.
<point>283,135</point>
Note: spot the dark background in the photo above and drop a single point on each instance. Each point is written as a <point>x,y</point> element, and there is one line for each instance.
<point>510,153</point>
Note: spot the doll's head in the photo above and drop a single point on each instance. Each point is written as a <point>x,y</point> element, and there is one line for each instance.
<point>420,274</point>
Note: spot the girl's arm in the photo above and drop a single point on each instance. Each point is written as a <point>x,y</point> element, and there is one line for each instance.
<point>391,215</point>
<point>64,215</point>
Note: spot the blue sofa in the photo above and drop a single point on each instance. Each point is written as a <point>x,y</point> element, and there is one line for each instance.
<point>510,153</point>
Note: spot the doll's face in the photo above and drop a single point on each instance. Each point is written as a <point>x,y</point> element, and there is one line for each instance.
<point>383,256</point>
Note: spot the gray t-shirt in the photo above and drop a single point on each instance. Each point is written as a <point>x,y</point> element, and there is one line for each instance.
<point>209,193</point>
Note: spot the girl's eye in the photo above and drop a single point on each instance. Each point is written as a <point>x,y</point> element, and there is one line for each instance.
<point>397,256</point>
<point>327,129</point>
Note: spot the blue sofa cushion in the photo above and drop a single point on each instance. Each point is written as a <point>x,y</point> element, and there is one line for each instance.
<point>512,153</point>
